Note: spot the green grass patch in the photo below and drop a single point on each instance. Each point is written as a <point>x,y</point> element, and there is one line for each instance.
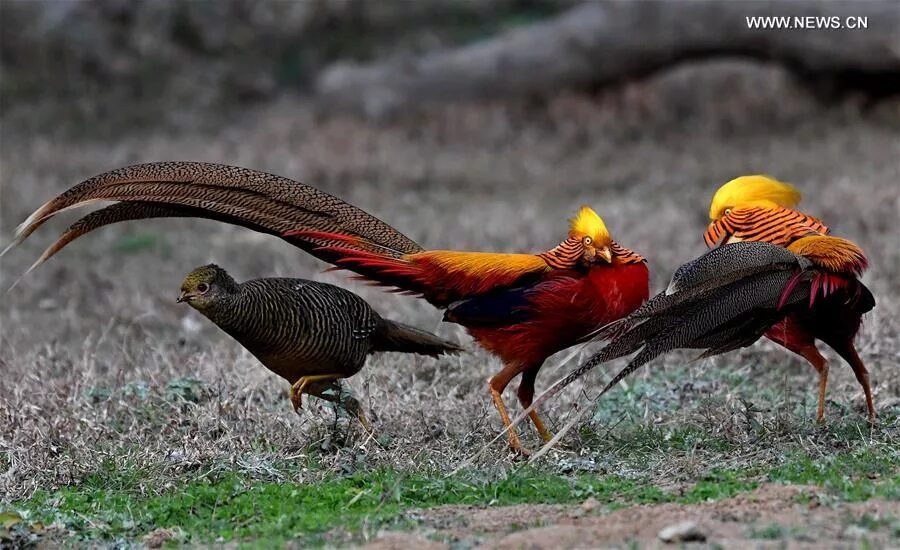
<point>854,475</point>
<point>717,485</point>
<point>231,507</point>
<point>113,504</point>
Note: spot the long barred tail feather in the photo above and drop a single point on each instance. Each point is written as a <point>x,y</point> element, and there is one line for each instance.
<point>249,198</point>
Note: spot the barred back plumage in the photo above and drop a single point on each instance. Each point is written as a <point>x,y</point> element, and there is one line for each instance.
<point>287,323</point>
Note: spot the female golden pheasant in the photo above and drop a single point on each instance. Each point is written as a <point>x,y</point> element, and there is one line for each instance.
<point>311,334</point>
<point>521,307</point>
<point>777,273</point>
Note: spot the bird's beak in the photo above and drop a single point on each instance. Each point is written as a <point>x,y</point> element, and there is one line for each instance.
<point>185,296</point>
<point>605,253</point>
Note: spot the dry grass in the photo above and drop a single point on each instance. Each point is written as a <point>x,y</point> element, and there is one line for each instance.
<point>95,351</point>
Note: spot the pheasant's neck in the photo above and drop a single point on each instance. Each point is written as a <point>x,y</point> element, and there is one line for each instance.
<point>226,311</point>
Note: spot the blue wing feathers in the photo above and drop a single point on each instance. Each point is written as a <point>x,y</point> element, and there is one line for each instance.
<point>506,307</point>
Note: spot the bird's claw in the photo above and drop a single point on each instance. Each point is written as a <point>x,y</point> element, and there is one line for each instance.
<point>516,447</point>
<point>297,396</point>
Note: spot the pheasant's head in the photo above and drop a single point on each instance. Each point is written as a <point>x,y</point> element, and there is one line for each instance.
<point>745,192</point>
<point>587,227</point>
<point>752,191</point>
<point>206,285</point>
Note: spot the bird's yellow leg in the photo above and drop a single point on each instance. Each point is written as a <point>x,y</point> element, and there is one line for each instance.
<point>536,420</point>
<point>511,434</point>
<point>526,397</point>
<point>811,354</point>
<point>331,390</point>
<point>850,354</point>
<point>361,416</point>
<point>303,382</point>
<point>497,384</point>
<point>350,404</point>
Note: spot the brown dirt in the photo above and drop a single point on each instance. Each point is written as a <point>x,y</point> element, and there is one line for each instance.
<point>769,517</point>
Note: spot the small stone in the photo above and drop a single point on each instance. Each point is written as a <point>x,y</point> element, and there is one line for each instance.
<point>590,504</point>
<point>685,531</point>
<point>159,537</point>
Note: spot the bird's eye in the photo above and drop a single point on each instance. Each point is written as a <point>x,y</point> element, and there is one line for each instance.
<point>202,288</point>
<point>727,211</point>
<point>587,240</point>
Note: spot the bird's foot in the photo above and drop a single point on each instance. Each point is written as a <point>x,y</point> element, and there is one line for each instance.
<point>364,421</point>
<point>352,406</point>
<point>516,446</point>
<point>539,426</point>
<point>545,434</point>
<point>297,394</point>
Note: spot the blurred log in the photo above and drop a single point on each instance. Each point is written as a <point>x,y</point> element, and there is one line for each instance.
<point>594,44</point>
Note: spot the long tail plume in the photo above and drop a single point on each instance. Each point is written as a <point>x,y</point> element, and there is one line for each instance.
<point>257,200</point>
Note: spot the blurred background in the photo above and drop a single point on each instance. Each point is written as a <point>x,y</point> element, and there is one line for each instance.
<point>466,125</point>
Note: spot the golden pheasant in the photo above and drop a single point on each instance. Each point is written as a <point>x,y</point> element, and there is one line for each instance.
<point>777,273</point>
<point>521,307</point>
<point>311,334</point>
<point>759,208</point>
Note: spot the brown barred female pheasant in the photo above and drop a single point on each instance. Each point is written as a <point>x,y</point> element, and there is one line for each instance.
<point>311,334</point>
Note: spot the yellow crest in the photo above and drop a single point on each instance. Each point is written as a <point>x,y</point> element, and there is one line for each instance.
<point>588,224</point>
<point>752,191</point>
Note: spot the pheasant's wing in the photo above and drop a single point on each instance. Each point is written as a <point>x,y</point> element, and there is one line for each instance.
<point>761,282</point>
<point>722,300</point>
<point>715,269</point>
<point>250,198</point>
<point>500,308</point>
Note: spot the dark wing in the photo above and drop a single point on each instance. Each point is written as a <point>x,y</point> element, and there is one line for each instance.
<point>499,308</point>
<point>721,301</point>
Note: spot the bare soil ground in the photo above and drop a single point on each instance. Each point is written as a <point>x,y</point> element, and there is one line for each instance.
<point>769,517</point>
<point>94,346</point>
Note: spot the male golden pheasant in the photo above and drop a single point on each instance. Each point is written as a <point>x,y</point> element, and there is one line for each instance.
<point>759,208</point>
<point>775,272</point>
<point>311,334</point>
<point>521,307</point>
